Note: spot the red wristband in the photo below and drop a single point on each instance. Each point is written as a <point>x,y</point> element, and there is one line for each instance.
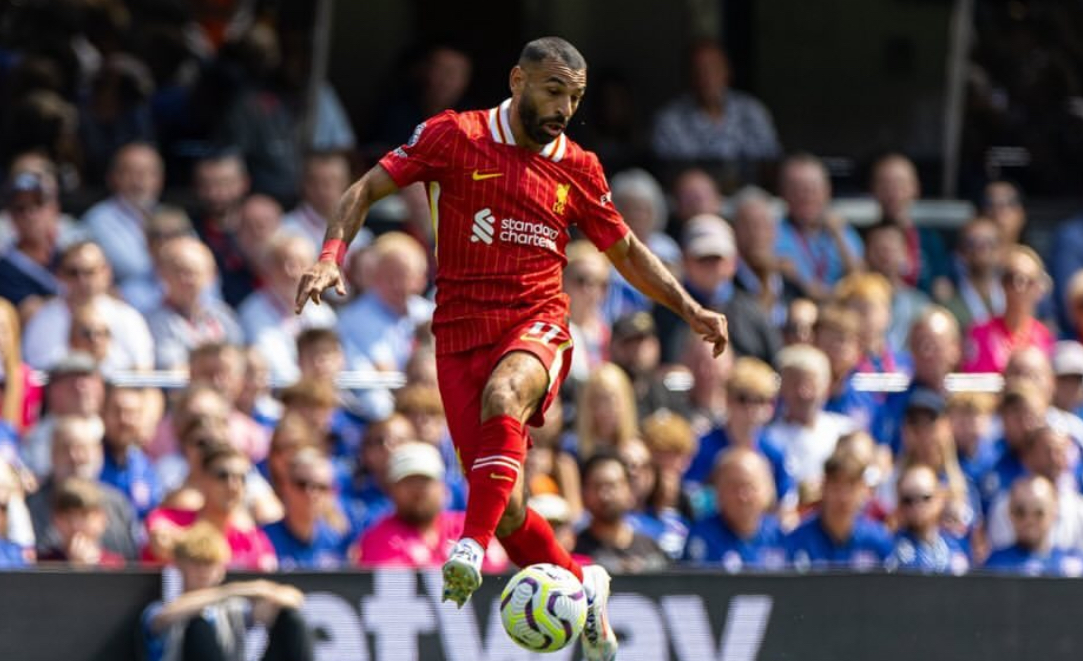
<point>333,250</point>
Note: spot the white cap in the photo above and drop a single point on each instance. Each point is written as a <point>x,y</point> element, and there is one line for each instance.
<point>1068,358</point>
<point>708,235</point>
<point>551,507</point>
<point>415,458</point>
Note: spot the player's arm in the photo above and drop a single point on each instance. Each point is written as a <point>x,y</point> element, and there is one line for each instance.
<point>350,215</point>
<point>646,273</point>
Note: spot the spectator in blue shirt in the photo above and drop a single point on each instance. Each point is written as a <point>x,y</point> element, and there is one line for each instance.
<point>920,544</point>
<point>971,418</point>
<point>320,358</point>
<point>750,404</point>
<point>1033,509</point>
<point>1022,410</point>
<point>312,535</point>
<point>743,535</point>
<point>839,536</point>
<point>818,247</point>
<point>364,493</point>
<point>126,466</point>
<point>836,333</point>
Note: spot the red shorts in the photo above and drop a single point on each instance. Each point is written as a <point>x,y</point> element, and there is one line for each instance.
<point>463,376</point>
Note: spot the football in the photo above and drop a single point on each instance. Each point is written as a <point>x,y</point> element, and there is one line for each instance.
<point>543,608</point>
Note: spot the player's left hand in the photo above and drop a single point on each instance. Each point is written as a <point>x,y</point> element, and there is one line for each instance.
<point>713,327</point>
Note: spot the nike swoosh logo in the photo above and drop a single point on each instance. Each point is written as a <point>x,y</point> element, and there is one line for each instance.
<point>482,176</point>
<point>497,476</point>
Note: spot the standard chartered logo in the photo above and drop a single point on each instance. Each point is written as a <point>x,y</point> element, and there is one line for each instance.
<point>519,232</point>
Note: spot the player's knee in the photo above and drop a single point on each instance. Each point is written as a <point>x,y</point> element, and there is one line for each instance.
<point>501,397</point>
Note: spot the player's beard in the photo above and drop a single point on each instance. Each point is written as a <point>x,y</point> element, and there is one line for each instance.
<point>534,125</point>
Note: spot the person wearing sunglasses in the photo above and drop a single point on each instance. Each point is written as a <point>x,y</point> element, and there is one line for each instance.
<point>921,545</point>
<point>1025,282</point>
<point>306,538</point>
<point>1032,507</point>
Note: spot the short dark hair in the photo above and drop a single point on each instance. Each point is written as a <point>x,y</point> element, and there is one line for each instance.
<point>600,457</point>
<point>552,48</point>
<point>76,495</point>
<point>217,453</point>
<point>310,337</point>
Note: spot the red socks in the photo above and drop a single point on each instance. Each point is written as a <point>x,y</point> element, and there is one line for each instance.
<point>535,542</point>
<point>501,450</point>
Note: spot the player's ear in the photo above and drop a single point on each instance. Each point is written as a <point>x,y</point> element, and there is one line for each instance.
<point>517,79</point>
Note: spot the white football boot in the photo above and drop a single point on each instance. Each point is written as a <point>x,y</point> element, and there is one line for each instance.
<point>462,571</point>
<point>599,641</point>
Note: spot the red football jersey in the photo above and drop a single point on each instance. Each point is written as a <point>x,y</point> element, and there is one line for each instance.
<point>501,215</point>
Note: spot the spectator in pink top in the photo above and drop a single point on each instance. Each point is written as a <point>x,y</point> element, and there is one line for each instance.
<point>222,482</point>
<point>420,532</point>
<point>1025,282</point>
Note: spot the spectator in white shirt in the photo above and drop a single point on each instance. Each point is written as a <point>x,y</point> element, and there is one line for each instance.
<point>188,315</point>
<point>117,224</point>
<point>267,315</point>
<point>325,178</point>
<point>804,432</point>
<point>86,276</point>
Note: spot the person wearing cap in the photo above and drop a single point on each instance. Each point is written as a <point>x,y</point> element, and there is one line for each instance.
<point>1046,454</point>
<point>1068,368</point>
<point>818,247</point>
<point>118,223</point>
<point>86,277</point>
<point>634,348</point>
<point>709,262</point>
<point>27,265</point>
<point>419,533</point>
<point>839,536</point>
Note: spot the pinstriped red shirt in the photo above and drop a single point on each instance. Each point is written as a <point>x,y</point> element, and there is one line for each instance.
<point>501,215</point>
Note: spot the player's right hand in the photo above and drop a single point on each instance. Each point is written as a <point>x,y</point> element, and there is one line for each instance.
<point>316,279</point>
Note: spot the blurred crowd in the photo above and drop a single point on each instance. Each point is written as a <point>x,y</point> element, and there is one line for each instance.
<point>835,433</point>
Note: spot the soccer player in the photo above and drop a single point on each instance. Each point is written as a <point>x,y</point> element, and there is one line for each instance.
<point>504,187</point>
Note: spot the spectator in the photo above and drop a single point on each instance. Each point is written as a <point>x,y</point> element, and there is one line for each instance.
<point>935,348</point>
<point>75,388</point>
<point>869,296</point>
<point>804,432</point>
<point>605,412</point>
<point>222,483</point>
<point>1031,365</point>
<point>714,122</point>
<point>86,277</point>
<point>837,333</point>
<point>635,347</point>
<point>324,178</point>
<point>586,277</point>
<point>188,315</point>
<point>209,619</point>
<point>20,393</point>
<point>89,333</point>
<point>1022,410</point>
<point>743,535</point>
<point>1046,453</point>
<point>267,315</point>
<point>1033,509</point>
<point>885,250</point>
<point>1002,203</point>
<point>710,259</point>
<point>750,405</point>
<point>640,199</point>
<point>118,224</point>
<point>1065,262</point>
<point>979,296</point>
<point>310,536</point>
<point>79,518</point>
<point>378,328</point>
<point>256,399</point>
<point>221,183</point>
<point>291,435</point>
<point>27,265</point>
<point>12,554</point>
<point>1068,368</point>
<point>895,187</point>
<point>817,246</point>
<point>365,494</point>
<point>839,536</point>
<point>710,374</point>
<point>672,445</point>
<point>759,272</point>
<point>550,469</point>
<point>222,366</point>
<point>801,316</point>
<point>77,452</point>
<point>694,192</point>
<point>1025,284</point>
<point>971,418</point>
<point>44,175</point>
<point>609,539</point>
<point>920,543</point>
<point>126,466</point>
<point>418,534</point>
